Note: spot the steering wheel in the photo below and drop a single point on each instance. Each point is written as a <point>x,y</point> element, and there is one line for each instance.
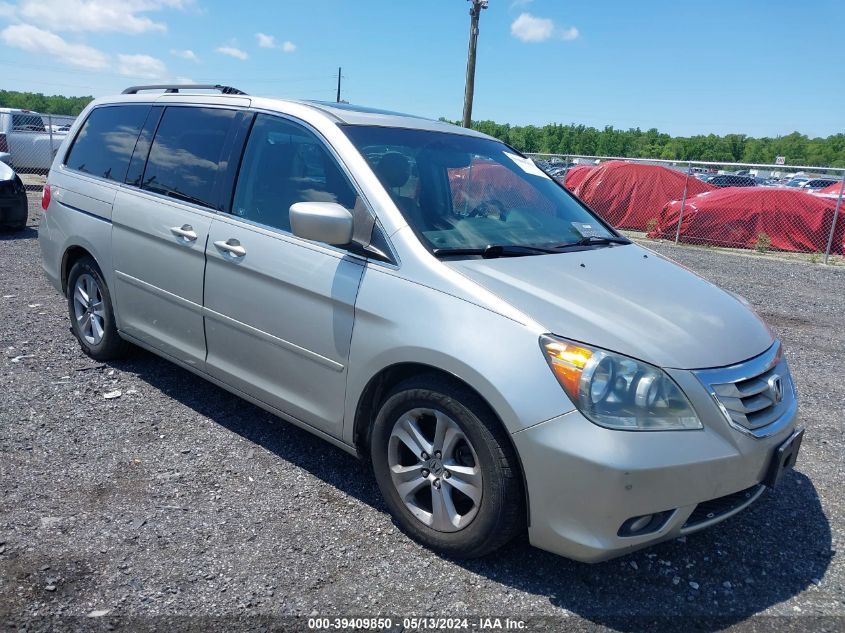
<point>484,209</point>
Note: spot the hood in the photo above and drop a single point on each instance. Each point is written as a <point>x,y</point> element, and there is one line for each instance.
<point>629,300</point>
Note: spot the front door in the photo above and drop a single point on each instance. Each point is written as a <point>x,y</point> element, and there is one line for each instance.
<point>279,310</point>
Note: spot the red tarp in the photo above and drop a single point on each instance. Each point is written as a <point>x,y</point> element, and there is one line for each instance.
<point>834,189</point>
<point>486,180</point>
<point>575,175</point>
<point>628,195</point>
<point>754,217</point>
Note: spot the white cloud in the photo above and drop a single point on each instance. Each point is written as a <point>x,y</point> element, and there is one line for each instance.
<point>7,10</point>
<point>265,41</point>
<point>31,38</point>
<point>141,66</point>
<point>121,16</point>
<point>185,54</point>
<point>569,34</point>
<point>520,3</point>
<point>530,28</point>
<point>184,80</point>
<point>268,41</point>
<point>231,51</point>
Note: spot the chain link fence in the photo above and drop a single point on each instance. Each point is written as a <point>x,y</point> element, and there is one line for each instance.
<point>792,209</point>
<point>29,142</point>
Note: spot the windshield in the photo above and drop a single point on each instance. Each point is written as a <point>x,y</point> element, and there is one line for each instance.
<point>462,192</point>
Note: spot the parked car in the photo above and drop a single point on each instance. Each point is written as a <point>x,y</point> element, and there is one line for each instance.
<point>13,202</point>
<point>559,170</point>
<point>731,180</point>
<point>820,183</point>
<point>797,182</point>
<point>503,358</point>
<point>24,136</point>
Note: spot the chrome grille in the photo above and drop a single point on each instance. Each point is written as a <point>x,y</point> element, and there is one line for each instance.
<point>755,394</point>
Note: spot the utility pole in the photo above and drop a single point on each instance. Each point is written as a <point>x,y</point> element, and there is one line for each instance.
<point>339,69</point>
<point>469,91</point>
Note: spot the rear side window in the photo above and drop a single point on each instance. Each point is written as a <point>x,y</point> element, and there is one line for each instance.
<point>185,154</point>
<point>105,142</point>
<point>27,123</point>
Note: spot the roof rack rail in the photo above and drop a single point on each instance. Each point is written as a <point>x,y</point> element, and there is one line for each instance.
<point>175,88</point>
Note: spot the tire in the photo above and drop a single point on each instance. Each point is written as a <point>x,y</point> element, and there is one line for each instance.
<point>473,442</point>
<point>95,329</point>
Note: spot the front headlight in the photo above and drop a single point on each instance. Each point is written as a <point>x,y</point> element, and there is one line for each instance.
<point>618,392</point>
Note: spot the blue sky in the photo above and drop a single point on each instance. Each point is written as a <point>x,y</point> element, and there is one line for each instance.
<point>755,67</point>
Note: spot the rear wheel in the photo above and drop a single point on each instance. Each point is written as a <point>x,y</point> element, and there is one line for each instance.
<point>91,314</point>
<point>446,468</point>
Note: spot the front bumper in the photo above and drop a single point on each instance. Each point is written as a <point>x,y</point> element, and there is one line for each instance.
<point>584,481</point>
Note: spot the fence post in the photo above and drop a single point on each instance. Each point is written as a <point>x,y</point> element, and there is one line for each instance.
<point>683,203</point>
<point>835,216</point>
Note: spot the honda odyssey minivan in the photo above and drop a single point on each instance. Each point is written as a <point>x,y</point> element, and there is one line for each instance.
<point>425,297</point>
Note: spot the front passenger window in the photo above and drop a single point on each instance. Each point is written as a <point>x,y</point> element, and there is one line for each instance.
<point>285,163</point>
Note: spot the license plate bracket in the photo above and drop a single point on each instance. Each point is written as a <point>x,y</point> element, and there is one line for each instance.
<point>784,458</point>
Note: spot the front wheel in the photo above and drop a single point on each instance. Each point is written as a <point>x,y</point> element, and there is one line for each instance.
<point>446,468</point>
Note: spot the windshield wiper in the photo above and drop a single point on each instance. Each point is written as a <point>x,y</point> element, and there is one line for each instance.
<point>492,251</point>
<point>592,240</point>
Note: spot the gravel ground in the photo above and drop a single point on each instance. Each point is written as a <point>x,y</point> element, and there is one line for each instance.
<point>177,498</point>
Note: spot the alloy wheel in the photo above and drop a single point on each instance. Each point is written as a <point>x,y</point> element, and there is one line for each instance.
<point>435,469</point>
<point>88,309</point>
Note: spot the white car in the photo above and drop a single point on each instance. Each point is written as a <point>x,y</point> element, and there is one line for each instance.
<point>24,136</point>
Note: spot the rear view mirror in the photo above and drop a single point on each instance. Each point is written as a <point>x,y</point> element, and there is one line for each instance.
<point>326,222</point>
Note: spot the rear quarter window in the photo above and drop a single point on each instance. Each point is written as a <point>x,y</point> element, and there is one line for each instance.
<point>105,141</point>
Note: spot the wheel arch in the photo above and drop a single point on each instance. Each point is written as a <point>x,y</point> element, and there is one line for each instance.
<point>71,255</point>
<point>373,395</point>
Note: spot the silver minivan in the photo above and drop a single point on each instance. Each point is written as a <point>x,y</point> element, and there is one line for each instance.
<point>426,297</point>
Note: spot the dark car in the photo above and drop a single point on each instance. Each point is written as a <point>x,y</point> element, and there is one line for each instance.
<point>732,180</point>
<point>13,203</point>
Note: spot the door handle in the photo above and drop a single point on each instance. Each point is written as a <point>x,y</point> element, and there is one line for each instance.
<point>186,232</point>
<point>231,246</point>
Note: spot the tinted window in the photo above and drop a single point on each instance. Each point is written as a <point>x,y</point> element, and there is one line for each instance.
<point>285,163</point>
<point>142,148</point>
<point>185,154</point>
<point>105,142</point>
<point>27,123</point>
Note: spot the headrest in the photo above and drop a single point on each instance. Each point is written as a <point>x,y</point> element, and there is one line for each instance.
<point>395,169</point>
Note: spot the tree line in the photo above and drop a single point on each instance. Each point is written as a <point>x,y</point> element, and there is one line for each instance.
<point>43,104</point>
<point>554,138</point>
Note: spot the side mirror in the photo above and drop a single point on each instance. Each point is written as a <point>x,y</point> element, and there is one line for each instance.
<point>326,222</point>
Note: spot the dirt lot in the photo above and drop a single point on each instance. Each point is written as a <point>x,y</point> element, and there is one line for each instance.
<point>177,499</point>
